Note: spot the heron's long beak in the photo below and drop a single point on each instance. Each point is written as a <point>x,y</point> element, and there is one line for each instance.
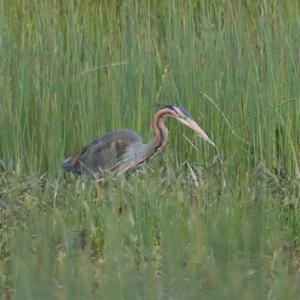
<point>201,133</point>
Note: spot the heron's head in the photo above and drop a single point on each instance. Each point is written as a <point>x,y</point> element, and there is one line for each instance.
<point>183,116</point>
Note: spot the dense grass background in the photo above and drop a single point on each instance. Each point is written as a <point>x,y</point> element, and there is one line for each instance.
<point>74,70</point>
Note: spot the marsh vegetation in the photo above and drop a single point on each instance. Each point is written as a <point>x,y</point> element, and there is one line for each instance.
<point>198,222</point>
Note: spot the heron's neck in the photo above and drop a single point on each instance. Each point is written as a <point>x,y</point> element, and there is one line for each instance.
<point>161,135</point>
<point>161,131</point>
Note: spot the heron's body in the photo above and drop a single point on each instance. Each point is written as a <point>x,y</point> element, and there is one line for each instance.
<point>116,151</point>
<point>124,150</point>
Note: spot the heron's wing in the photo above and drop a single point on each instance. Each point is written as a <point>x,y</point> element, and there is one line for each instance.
<point>134,155</point>
<point>107,152</point>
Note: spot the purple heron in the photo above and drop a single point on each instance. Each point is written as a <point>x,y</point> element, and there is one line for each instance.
<point>123,150</point>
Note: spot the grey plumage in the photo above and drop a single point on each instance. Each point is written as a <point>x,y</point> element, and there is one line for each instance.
<point>106,152</point>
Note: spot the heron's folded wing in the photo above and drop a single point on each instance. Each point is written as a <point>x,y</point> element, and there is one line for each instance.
<point>107,152</point>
